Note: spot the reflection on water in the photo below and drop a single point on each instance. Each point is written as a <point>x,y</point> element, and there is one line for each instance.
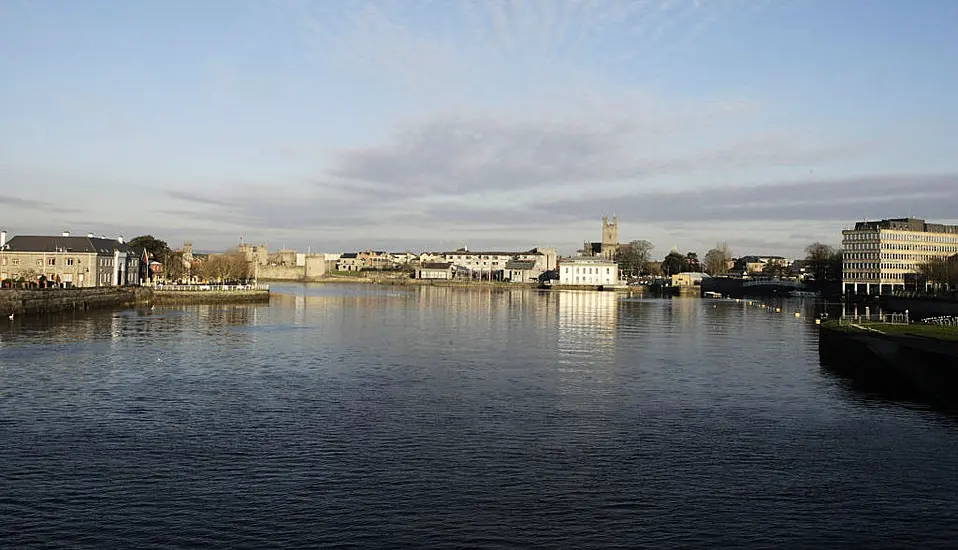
<point>387,417</point>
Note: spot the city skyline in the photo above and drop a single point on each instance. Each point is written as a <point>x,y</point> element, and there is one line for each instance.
<point>385,125</point>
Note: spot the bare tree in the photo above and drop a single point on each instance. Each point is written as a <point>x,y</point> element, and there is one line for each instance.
<point>943,271</point>
<point>229,266</point>
<point>633,258</point>
<point>825,261</point>
<point>175,267</point>
<point>717,259</point>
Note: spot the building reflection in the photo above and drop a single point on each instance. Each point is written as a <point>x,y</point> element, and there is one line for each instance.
<point>587,323</point>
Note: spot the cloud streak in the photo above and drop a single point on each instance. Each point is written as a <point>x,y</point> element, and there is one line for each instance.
<point>460,154</point>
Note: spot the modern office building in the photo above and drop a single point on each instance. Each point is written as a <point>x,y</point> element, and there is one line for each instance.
<point>881,256</point>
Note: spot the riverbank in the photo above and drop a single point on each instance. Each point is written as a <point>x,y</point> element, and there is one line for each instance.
<point>342,279</point>
<point>59,300</point>
<point>922,356</point>
<point>470,283</point>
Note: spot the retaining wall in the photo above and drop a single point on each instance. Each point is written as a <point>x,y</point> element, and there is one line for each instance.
<point>55,300</point>
<point>280,273</point>
<point>177,297</point>
<point>925,364</point>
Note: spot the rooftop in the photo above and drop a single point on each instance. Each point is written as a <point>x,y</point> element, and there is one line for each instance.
<point>587,260</point>
<point>905,224</point>
<point>59,243</point>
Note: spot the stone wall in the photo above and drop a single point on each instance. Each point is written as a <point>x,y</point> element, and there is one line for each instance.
<point>54,300</point>
<point>177,297</point>
<point>280,273</point>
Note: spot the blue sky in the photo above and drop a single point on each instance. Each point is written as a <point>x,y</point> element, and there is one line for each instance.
<point>426,124</point>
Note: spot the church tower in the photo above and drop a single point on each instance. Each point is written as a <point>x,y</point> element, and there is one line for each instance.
<point>610,237</point>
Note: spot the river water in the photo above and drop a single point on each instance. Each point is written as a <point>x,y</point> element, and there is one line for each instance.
<point>386,417</point>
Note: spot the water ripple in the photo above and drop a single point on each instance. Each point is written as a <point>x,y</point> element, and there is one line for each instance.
<point>435,417</point>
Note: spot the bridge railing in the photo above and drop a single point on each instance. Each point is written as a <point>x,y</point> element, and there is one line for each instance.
<point>774,282</point>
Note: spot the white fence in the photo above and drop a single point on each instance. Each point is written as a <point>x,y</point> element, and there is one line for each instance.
<point>206,288</point>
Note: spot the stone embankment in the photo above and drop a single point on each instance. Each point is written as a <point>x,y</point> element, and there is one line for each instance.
<point>41,301</point>
<point>44,301</point>
<point>927,364</point>
<point>179,297</point>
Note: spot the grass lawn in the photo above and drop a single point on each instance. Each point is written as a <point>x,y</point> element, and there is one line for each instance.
<point>949,333</point>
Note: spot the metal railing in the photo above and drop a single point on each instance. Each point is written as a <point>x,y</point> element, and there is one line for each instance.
<point>888,318</point>
<point>941,295</point>
<point>945,320</point>
<point>207,288</point>
<point>774,282</point>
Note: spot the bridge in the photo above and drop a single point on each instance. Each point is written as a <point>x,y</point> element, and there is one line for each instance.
<point>796,285</point>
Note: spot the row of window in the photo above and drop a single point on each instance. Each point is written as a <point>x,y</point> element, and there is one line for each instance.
<point>876,265</point>
<point>589,270</point>
<point>884,276</point>
<point>923,237</point>
<point>920,247</point>
<point>911,237</point>
<point>944,249</point>
<point>40,262</point>
<point>65,277</point>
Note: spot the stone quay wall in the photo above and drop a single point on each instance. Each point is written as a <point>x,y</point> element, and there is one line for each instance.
<point>180,297</point>
<point>60,300</point>
<point>56,300</point>
<point>928,365</point>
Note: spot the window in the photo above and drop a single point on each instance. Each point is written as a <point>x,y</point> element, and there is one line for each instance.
<point>51,261</point>
<point>40,263</point>
<point>16,261</point>
<point>69,261</point>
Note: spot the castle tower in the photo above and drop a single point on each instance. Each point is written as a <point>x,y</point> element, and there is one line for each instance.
<point>188,252</point>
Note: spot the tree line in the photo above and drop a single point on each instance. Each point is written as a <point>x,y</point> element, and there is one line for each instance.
<point>635,259</point>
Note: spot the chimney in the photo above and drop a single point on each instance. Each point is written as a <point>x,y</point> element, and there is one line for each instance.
<point>3,239</point>
<point>120,239</point>
<point>65,234</point>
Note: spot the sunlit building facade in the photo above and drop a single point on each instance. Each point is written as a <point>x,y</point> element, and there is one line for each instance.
<point>881,256</point>
<point>588,271</point>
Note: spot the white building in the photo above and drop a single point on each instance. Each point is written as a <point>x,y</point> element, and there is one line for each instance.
<point>588,271</point>
<point>434,270</point>
<point>491,265</point>
<point>880,256</point>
